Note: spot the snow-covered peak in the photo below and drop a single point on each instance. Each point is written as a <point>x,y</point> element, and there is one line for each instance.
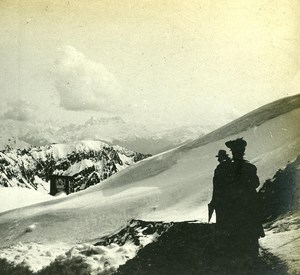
<point>29,167</point>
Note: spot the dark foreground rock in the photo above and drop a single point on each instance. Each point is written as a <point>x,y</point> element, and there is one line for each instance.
<point>185,248</point>
<point>191,248</point>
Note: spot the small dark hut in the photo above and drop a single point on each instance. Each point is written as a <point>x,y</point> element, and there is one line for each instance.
<point>61,183</point>
<point>75,178</point>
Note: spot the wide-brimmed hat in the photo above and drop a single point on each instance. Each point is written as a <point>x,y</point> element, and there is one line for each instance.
<point>222,153</point>
<point>237,145</point>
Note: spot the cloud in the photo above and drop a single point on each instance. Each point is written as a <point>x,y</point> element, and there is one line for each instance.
<point>20,110</point>
<point>83,84</point>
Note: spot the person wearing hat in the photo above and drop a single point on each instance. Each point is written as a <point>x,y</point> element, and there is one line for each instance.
<point>222,156</point>
<point>242,201</point>
<point>219,187</point>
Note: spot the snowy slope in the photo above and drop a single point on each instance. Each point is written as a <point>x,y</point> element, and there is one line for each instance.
<point>17,197</point>
<point>282,239</point>
<point>175,185</point>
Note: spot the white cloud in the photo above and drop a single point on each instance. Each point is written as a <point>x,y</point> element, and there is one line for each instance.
<point>20,110</point>
<point>83,84</point>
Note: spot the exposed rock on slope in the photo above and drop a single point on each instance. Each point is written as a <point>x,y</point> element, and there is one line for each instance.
<point>190,248</point>
<point>281,194</point>
<point>33,167</point>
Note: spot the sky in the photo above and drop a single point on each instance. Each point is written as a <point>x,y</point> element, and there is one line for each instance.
<point>153,62</point>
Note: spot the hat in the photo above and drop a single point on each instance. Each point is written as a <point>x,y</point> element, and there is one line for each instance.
<point>237,145</point>
<point>222,153</point>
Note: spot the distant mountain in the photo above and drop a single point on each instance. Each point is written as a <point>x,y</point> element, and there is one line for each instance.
<point>114,131</point>
<point>33,167</point>
<point>10,131</point>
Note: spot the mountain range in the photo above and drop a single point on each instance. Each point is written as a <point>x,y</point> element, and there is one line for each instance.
<point>111,130</point>
<point>33,167</point>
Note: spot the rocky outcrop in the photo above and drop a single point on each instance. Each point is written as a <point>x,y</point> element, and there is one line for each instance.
<point>33,167</point>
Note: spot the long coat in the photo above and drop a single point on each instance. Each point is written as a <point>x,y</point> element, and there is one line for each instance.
<point>235,198</point>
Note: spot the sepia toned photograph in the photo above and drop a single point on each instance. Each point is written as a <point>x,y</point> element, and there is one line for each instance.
<point>149,137</point>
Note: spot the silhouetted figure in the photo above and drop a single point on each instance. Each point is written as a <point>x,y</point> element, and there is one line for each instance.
<point>219,187</point>
<point>236,202</point>
<point>245,206</point>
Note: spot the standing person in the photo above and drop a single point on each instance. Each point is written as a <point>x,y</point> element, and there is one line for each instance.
<point>220,203</point>
<point>244,208</point>
<point>219,187</point>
